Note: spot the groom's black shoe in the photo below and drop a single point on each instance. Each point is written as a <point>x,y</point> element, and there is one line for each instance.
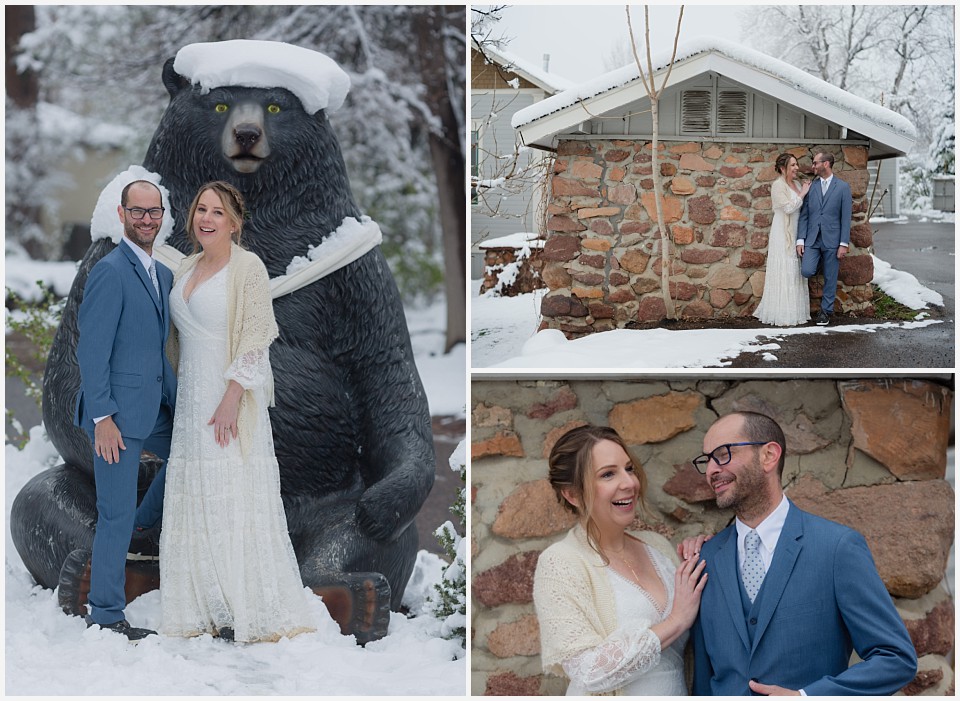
<point>123,628</point>
<point>823,318</point>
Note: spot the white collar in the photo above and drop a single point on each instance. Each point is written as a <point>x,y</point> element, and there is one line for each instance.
<point>827,180</point>
<point>769,529</point>
<point>351,240</point>
<point>140,253</point>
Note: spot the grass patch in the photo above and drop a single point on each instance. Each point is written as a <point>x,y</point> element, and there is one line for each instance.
<point>889,309</point>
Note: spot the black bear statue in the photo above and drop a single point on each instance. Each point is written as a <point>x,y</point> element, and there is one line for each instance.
<point>351,423</point>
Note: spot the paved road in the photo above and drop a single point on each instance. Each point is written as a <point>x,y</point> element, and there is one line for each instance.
<point>927,251</point>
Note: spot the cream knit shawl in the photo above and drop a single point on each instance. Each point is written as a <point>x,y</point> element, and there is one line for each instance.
<point>250,323</point>
<point>573,598</point>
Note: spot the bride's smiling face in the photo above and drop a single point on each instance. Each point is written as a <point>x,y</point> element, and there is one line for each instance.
<point>792,169</point>
<point>212,224</point>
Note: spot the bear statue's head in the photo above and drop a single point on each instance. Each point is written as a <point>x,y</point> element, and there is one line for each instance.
<point>254,113</point>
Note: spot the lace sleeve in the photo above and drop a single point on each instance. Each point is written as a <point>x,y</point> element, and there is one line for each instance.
<point>616,661</point>
<point>250,370</point>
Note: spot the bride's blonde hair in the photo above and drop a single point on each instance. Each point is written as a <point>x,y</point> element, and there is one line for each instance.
<point>233,207</point>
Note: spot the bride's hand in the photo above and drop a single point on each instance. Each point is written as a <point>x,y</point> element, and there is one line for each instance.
<point>691,546</point>
<point>689,582</point>
<point>224,419</point>
<point>804,188</point>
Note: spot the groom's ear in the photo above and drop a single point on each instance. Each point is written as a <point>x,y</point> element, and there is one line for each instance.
<point>770,456</point>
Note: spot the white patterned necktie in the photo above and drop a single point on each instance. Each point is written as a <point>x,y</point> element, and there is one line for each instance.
<point>153,276</point>
<point>752,569</point>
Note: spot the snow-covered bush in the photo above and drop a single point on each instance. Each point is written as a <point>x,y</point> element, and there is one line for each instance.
<point>450,606</point>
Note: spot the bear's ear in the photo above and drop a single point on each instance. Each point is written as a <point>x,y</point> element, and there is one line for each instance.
<point>173,80</point>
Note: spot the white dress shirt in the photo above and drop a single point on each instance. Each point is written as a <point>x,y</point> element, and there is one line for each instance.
<point>769,532</point>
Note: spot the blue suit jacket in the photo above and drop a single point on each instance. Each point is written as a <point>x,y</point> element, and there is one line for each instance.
<point>821,598</point>
<point>826,218</point>
<point>124,371</point>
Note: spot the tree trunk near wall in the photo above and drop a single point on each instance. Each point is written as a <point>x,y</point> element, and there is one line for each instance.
<point>449,164</point>
<point>668,304</point>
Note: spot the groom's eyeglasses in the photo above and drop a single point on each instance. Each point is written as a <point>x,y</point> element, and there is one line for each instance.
<point>720,455</point>
<point>138,212</point>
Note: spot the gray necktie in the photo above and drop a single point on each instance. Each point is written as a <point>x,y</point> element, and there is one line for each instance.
<point>153,276</point>
<point>752,569</point>
<point>823,186</point>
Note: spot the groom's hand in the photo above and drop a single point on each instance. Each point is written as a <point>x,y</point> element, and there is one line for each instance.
<point>107,440</point>
<point>800,250</point>
<point>841,252</point>
<point>771,690</point>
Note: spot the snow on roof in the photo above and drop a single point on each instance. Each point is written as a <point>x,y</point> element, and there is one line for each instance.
<point>310,75</point>
<point>800,80</point>
<point>515,64</point>
<point>105,223</point>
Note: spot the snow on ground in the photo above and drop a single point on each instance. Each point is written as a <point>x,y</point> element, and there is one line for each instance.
<point>50,653</point>
<point>504,335</point>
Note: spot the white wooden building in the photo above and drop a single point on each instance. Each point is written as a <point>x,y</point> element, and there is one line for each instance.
<point>502,84</point>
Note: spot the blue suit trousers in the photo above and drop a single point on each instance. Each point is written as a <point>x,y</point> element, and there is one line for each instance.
<point>118,515</point>
<point>812,258</point>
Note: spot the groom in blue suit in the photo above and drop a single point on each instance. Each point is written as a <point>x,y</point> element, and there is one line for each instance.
<point>790,594</point>
<point>823,230</point>
<point>127,394</point>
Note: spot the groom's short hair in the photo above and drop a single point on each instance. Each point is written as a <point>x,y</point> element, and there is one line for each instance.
<point>828,157</point>
<point>759,427</point>
<point>126,190</point>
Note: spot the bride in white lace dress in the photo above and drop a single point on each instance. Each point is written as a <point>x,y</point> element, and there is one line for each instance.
<point>786,295</point>
<point>227,566</point>
<point>614,609</point>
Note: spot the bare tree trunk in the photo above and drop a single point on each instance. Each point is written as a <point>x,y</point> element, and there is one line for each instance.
<point>654,95</point>
<point>449,164</point>
<point>22,213</point>
<point>661,227</point>
<point>22,87</point>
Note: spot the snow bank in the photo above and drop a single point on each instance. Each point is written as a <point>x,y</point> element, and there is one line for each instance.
<point>517,240</point>
<point>903,287</point>
<point>310,75</point>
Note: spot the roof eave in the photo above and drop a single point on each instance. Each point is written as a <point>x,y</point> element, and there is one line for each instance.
<point>542,131</point>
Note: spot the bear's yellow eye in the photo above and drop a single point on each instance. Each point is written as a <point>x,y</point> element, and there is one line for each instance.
<point>221,107</point>
<point>273,109</point>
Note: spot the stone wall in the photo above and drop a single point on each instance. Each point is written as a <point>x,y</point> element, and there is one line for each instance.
<point>871,454</point>
<point>602,256</point>
<point>521,265</point>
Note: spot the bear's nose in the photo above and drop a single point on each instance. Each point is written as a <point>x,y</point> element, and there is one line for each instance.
<point>247,135</point>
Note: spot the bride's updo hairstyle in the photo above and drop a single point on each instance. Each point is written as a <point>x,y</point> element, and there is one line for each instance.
<point>781,163</point>
<point>233,207</point>
<point>571,470</point>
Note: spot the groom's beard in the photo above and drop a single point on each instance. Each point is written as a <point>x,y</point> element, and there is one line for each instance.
<point>147,233</point>
<point>747,494</point>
